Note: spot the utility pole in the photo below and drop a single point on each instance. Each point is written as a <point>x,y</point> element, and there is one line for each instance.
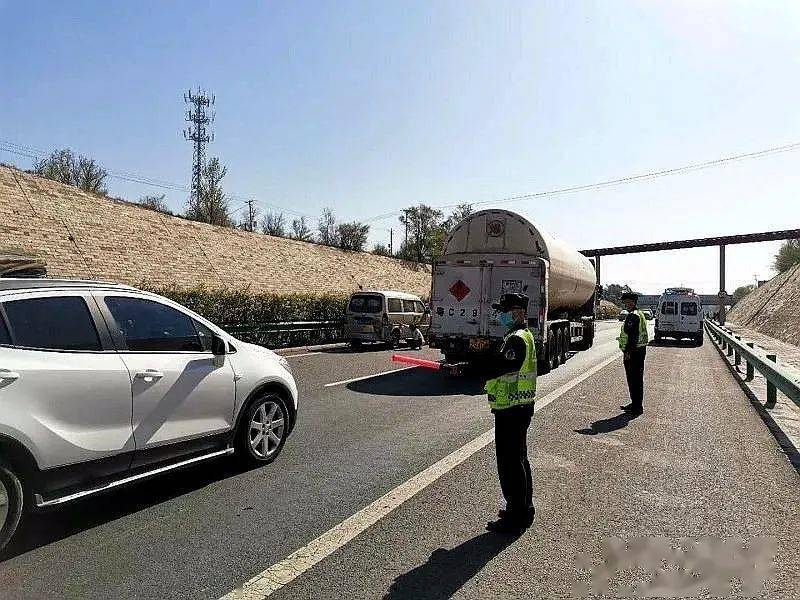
<point>391,241</point>
<point>251,216</point>
<point>198,132</point>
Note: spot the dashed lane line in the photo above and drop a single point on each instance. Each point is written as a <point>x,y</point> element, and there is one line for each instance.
<point>298,562</point>
<point>368,376</point>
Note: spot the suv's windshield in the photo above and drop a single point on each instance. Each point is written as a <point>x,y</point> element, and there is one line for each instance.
<point>365,304</point>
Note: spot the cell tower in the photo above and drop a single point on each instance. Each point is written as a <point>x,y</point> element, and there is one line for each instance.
<point>200,118</point>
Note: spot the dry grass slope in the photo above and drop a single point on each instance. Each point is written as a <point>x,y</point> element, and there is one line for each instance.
<point>83,235</point>
<point>774,308</point>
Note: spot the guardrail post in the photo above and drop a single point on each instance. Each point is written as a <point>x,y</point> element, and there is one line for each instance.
<point>737,358</point>
<point>730,349</point>
<point>750,371</point>
<point>772,391</point>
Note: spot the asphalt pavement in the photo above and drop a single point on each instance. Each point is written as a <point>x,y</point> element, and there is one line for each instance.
<point>698,462</point>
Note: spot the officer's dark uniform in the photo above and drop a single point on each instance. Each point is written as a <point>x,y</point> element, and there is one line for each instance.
<point>511,437</point>
<point>634,366</point>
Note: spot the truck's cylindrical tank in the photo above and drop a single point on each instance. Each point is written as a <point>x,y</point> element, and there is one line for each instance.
<point>489,232</point>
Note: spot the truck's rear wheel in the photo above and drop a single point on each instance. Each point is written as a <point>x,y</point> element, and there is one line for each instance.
<point>552,349</point>
<point>565,341</point>
<point>557,358</point>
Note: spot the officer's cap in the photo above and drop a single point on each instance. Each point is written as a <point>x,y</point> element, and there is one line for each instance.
<point>630,296</point>
<point>511,301</point>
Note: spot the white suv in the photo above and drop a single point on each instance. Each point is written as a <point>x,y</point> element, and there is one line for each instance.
<point>103,384</point>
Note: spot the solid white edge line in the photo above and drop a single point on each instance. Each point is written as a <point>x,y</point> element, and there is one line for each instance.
<point>368,376</point>
<point>298,562</point>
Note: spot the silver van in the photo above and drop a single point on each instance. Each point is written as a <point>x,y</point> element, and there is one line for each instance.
<point>385,316</point>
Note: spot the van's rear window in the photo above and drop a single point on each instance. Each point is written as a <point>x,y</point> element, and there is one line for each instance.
<point>689,308</point>
<point>366,304</point>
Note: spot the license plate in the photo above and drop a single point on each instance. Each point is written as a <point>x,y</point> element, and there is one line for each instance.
<point>367,329</point>
<point>478,344</point>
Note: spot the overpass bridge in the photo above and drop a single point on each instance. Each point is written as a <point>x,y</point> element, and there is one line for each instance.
<point>721,241</point>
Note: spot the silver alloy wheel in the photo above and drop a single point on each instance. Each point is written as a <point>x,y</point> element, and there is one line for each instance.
<point>3,504</point>
<point>267,428</point>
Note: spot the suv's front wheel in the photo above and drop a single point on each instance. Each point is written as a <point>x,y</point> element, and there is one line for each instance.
<point>11,503</point>
<point>263,430</point>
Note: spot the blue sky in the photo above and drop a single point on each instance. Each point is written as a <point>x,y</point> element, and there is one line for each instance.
<point>370,107</point>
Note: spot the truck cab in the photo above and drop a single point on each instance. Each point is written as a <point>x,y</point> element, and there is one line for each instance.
<point>679,315</point>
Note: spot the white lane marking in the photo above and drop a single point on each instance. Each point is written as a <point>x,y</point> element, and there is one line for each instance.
<point>368,376</point>
<point>298,562</point>
<point>300,354</point>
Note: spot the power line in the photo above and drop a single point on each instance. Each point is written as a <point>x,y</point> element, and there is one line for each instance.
<point>620,180</point>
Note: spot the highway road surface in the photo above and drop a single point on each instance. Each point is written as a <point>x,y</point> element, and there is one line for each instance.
<point>385,486</point>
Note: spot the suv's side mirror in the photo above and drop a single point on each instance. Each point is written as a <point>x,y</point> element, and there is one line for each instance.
<point>218,346</point>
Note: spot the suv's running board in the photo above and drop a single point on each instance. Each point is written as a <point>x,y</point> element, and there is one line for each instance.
<point>42,503</point>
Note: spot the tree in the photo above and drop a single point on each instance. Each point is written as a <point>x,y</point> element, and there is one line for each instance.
<point>274,224</point>
<point>328,233</point>
<point>461,212</point>
<point>301,231</point>
<point>787,256</point>
<point>425,233</point>
<point>78,170</point>
<point>613,292</point>
<point>154,202</point>
<point>352,236</point>
<point>742,291</point>
<point>211,206</point>
<point>381,250</point>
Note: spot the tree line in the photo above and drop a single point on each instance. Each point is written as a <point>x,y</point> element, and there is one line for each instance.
<point>422,233</point>
<point>424,227</point>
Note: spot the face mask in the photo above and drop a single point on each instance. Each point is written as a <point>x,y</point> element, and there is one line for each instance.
<point>506,319</point>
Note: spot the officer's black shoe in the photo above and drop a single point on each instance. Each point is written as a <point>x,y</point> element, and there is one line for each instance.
<point>636,412</point>
<point>530,512</point>
<point>627,407</point>
<point>508,526</point>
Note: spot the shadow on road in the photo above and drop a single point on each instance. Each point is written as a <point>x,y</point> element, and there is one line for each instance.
<point>607,425</point>
<point>52,525</point>
<point>419,382</point>
<point>448,570</point>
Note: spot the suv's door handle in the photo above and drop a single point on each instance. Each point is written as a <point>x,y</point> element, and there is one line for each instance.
<point>8,375</point>
<point>149,374</point>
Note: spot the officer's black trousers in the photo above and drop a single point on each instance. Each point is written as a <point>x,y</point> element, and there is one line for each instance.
<point>511,443</point>
<point>634,372</point>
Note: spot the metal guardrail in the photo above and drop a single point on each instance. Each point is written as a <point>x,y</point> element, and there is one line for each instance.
<point>284,334</point>
<point>282,326</point>
<point>778,377</point>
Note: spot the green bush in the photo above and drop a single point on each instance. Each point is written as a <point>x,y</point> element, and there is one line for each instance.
<point>251,316</point>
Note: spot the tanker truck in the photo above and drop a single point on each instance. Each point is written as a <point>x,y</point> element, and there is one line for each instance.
<point>493,252</point>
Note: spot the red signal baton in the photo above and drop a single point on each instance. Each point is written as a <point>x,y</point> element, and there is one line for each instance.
<point>417,362</point>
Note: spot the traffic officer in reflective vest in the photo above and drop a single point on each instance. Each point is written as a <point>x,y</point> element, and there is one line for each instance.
<point>511,397</point>
<point>633,342</point>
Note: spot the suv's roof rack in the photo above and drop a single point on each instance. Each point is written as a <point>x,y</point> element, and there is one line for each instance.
<point>29,283</point>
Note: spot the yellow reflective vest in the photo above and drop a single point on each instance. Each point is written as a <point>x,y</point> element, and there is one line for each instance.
<point>513,389</point>
<point>644,338</point>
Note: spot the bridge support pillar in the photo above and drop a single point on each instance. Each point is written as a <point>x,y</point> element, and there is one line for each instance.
<point>597,269</point>
<point>722,293</point>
